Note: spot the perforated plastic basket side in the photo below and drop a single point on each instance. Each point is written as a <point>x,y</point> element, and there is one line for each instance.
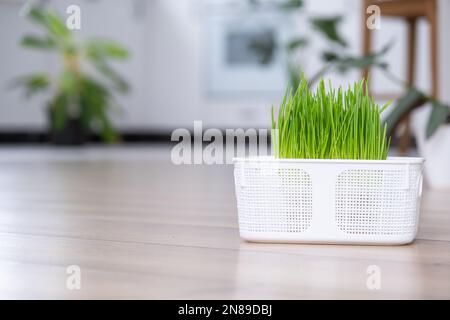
<point>328,201</point>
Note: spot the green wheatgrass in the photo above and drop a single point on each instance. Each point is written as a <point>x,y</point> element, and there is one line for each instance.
<point>330,124</point>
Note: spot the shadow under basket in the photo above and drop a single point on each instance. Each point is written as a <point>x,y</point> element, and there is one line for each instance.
<point>328,201</point>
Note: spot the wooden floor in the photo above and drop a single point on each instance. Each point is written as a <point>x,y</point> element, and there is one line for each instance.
<point>140,227</point>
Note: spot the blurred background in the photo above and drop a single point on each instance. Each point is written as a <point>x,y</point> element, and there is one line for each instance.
<point>133,71</point>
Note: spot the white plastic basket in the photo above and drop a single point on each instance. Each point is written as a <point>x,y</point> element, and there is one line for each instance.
<point>328,201</point>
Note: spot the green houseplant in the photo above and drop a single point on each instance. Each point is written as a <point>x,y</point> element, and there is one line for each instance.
<point>82,91</point>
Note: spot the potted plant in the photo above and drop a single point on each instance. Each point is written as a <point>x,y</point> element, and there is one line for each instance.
<point>435,147</point>
<point>329,180</point>
<point>82,91</point>
<point>430,125</point>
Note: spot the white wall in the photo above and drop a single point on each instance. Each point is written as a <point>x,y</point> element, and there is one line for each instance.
<point>14,111</point>
<point>166,38</point>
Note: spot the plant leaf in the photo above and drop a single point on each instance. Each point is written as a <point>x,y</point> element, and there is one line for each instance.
<point>411,100</point>
<point>119,83</point>
<point>36,42</point>
<point>51,21</point>
<point>329,28</point>
<point>33,83</point>
<point>98,49</point>
<point>291,4</point>
<point>329,56</point>
<point>344,63</point>
<point>294,75</point>
<point>37,15</point>
<point>59,111</point>
<point>108,133</point>
<point>347,63</point>
<point>56,25</point>
<point>95,101</point>
<point>68,83</point>
<point>296,43</point>
<point>438,116</point>
<point>91,96</point>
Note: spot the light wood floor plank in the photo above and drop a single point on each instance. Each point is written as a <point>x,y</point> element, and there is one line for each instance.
<point>249,271</point>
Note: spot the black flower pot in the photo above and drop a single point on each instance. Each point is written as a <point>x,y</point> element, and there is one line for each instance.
<point>74,133</point>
